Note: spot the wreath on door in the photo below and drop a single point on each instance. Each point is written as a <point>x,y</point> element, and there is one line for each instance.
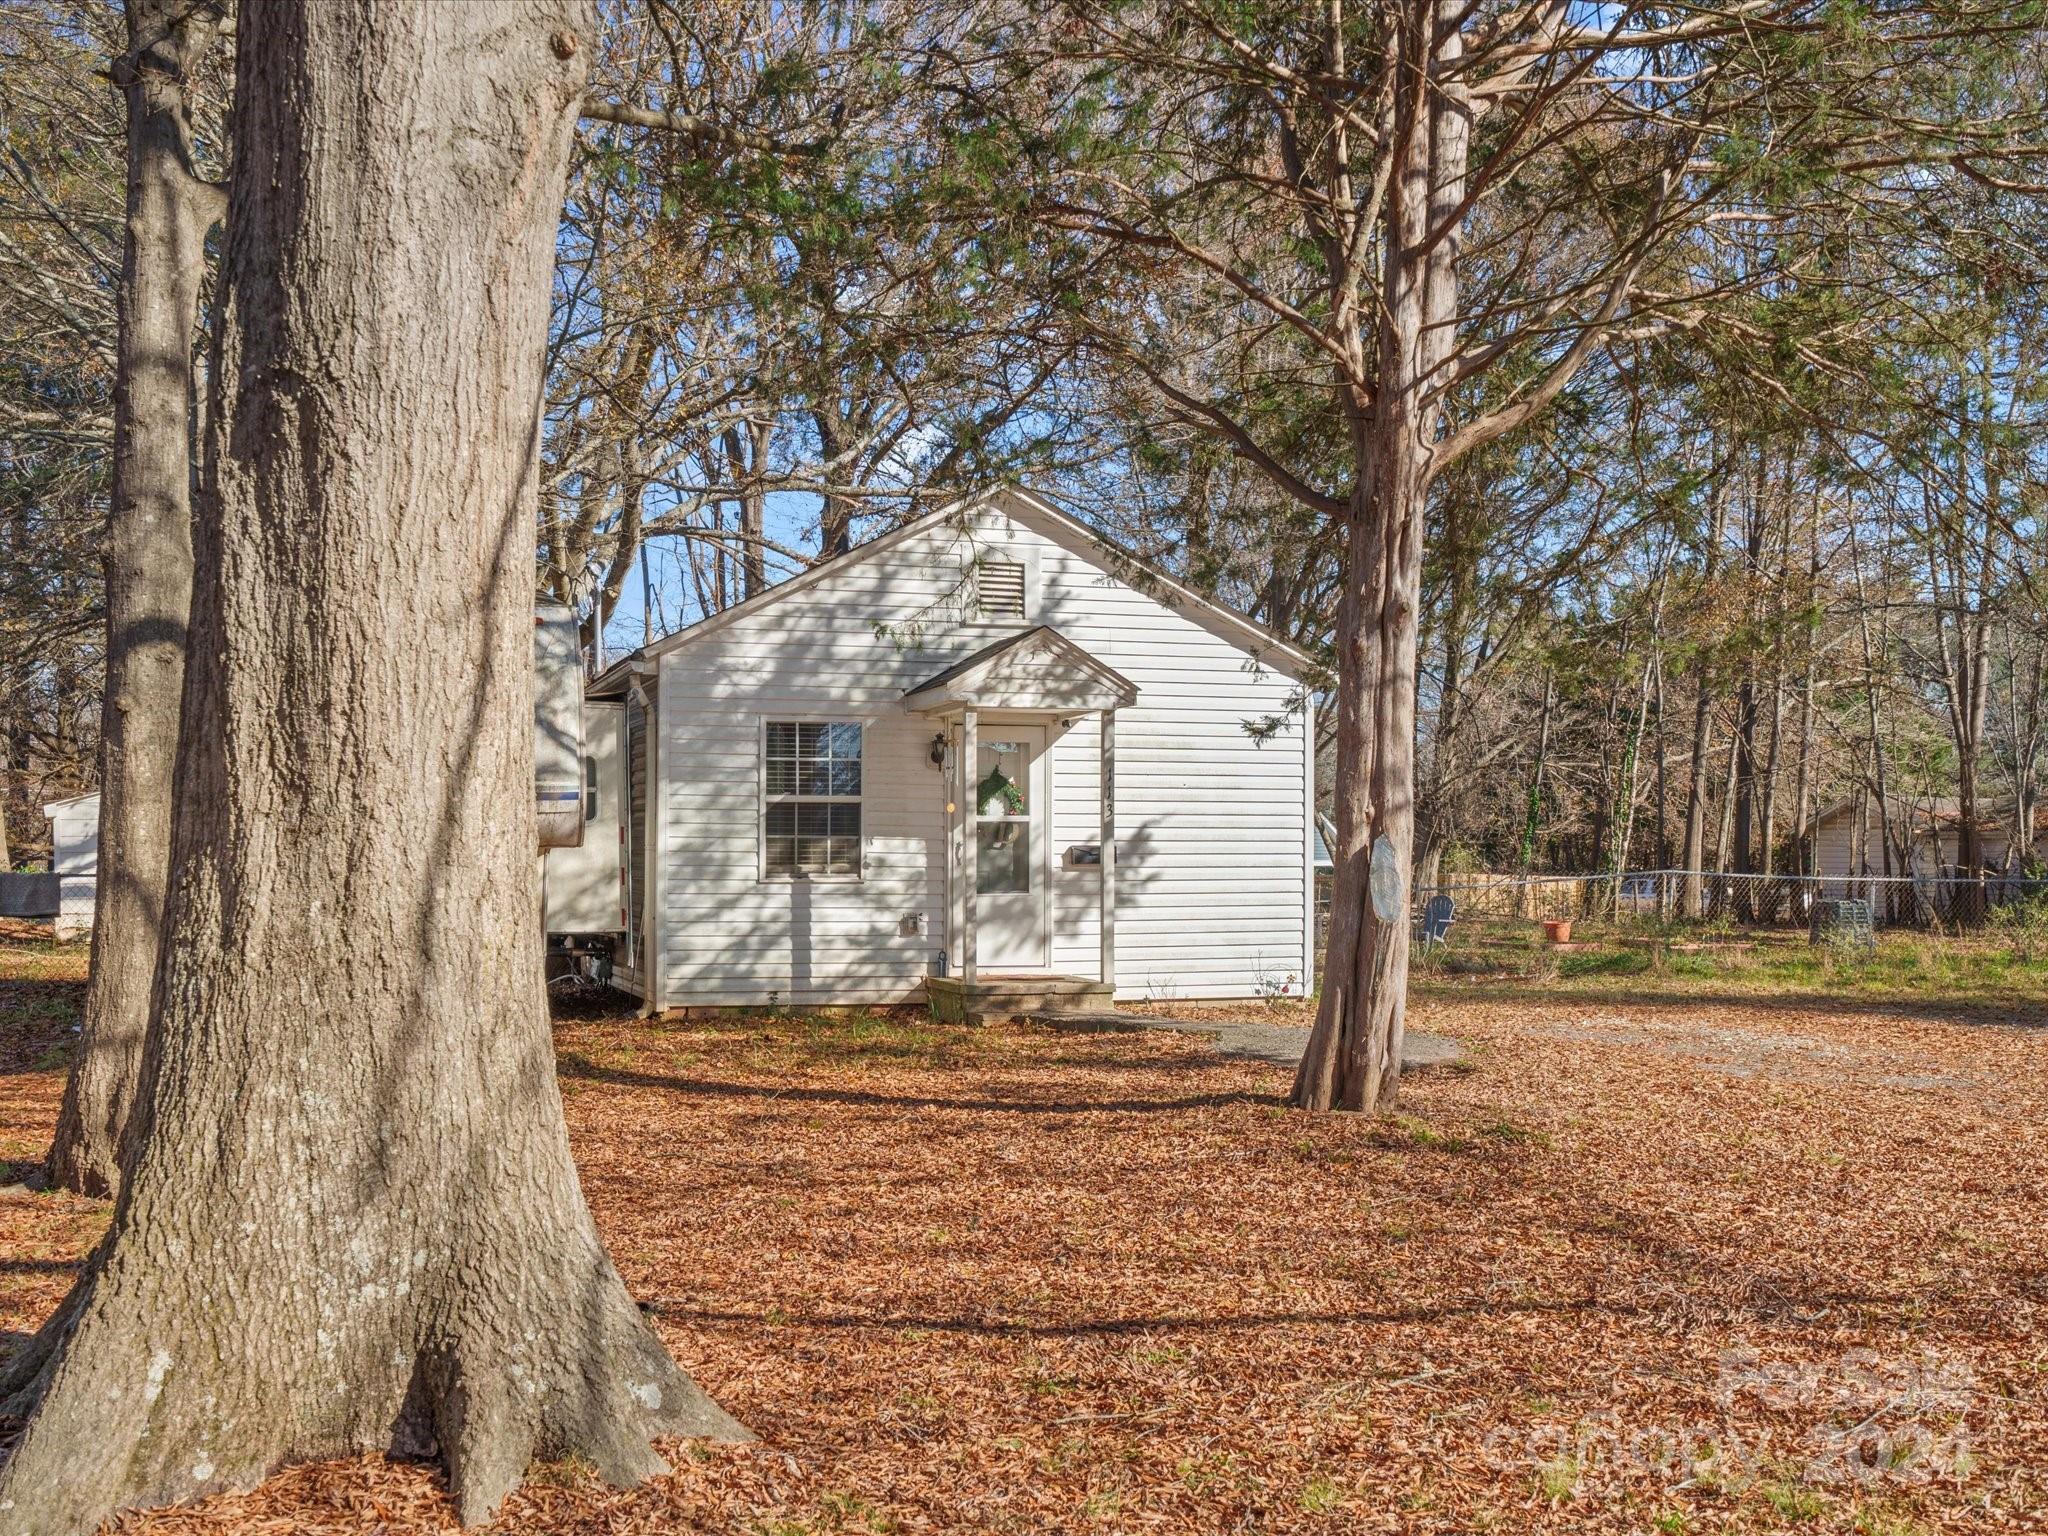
<point>998,786</point>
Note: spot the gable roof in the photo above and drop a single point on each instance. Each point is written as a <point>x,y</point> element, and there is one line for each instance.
<point>1287,659</point>
<point>1083,682</point>
<point>618,676</point>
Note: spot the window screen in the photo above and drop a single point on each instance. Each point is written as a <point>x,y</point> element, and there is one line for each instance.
<point>999,586</point>
<point>811,808</point>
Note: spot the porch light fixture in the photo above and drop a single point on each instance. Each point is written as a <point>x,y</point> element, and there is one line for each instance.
<point>938,752</point>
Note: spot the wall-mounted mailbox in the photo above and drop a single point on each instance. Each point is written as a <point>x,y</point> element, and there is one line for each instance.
<point>1085,856</point>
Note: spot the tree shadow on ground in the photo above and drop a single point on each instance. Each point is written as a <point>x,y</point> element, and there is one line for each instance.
<point>2017,1012</point>
<point>577,1066</point>
<point>1112,1327</point>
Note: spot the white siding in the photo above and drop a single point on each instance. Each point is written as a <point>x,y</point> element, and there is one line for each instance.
<point>75,856</point>
<point>1212,825</point>
<point>585,893</point>
<point>634,744</point>
<point>1834,847</point>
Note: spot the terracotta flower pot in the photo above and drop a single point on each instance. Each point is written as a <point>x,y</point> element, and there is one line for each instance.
<point>1557,930</point>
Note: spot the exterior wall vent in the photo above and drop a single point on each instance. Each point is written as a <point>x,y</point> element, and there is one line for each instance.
<point>999,590</point>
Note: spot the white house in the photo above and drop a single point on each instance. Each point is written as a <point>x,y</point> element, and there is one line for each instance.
<point>983,757</point>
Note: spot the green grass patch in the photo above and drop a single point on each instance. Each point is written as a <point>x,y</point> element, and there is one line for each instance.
<point>1987,968</point>
<point>1574,964</point>
<point>1558,1478</point>
<point>1794,1503</point>
<point>1320,1495</point>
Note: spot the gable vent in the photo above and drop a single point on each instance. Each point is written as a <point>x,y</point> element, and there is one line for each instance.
<point>999,590</point>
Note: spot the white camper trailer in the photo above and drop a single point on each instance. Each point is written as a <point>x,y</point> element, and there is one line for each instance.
<point>580,793</point>
<point>557,726</point>
<point>585,896</point>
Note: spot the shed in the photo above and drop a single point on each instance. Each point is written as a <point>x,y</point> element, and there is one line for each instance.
<point>1933,824</point>
<point>75,861</point>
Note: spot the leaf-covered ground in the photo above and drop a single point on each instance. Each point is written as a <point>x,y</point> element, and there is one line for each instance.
<point>1718,1265</point>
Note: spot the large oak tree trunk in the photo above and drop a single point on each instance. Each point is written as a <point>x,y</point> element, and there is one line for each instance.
<point>353,1222</point>
<point>148,561</point>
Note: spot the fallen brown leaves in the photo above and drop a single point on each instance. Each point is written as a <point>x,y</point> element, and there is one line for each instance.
<point>1699,1265</point>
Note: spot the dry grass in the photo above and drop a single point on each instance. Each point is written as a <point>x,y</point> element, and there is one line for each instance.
<point>1644,1268</point>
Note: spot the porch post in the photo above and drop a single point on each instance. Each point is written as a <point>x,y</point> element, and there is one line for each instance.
<point>970,841</point>
<point>1107,869</point>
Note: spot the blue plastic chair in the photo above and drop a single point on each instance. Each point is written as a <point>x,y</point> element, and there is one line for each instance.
<point>1437,918</point>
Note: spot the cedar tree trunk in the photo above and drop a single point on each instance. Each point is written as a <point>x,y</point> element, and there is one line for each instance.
<point>148,561</point>
<point>353,1222</point>
<point>1353,1057</point>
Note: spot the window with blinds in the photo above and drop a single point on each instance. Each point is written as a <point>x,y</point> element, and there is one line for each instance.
<point>811,801</point>
<point>999,590</point>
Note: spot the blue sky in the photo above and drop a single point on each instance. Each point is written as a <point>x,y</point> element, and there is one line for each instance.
<point>792,519</point>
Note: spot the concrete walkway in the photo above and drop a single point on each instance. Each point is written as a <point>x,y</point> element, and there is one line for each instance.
<point>1277,1043</point>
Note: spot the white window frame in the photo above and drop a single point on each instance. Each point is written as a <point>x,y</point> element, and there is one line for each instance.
<point>764,800</point>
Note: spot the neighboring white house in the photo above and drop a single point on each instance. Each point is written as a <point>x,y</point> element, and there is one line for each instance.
<point>75,860</point>
<point>892,767</point>
<point>1933,824</point>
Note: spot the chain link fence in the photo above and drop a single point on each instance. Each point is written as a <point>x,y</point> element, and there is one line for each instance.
<point>1678,896</point>
<point>63,902</point>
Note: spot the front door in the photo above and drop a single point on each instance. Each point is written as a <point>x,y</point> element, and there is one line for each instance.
<point>1007,799</point>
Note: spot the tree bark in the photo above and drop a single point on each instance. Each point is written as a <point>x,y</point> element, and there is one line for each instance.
<point>1353,1056</point>
<point>835,517</point>
<point>148,563</point>
<point>1694,856</point>
<point>1435,818</point>
<point>353,1223</point>
<point>1661,794</point>
<point>1974,559</point>
<point>1744,780</point>
<point>1625,798</point>
<point>1532,814</point>
<point>1804,851</point>
<point>1723,841</point>
<point>748,455</point>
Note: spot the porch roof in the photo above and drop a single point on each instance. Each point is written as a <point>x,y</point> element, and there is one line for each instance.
<point>1037,670</point>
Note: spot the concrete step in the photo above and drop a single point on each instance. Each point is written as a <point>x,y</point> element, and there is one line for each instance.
<point>994,998</point>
